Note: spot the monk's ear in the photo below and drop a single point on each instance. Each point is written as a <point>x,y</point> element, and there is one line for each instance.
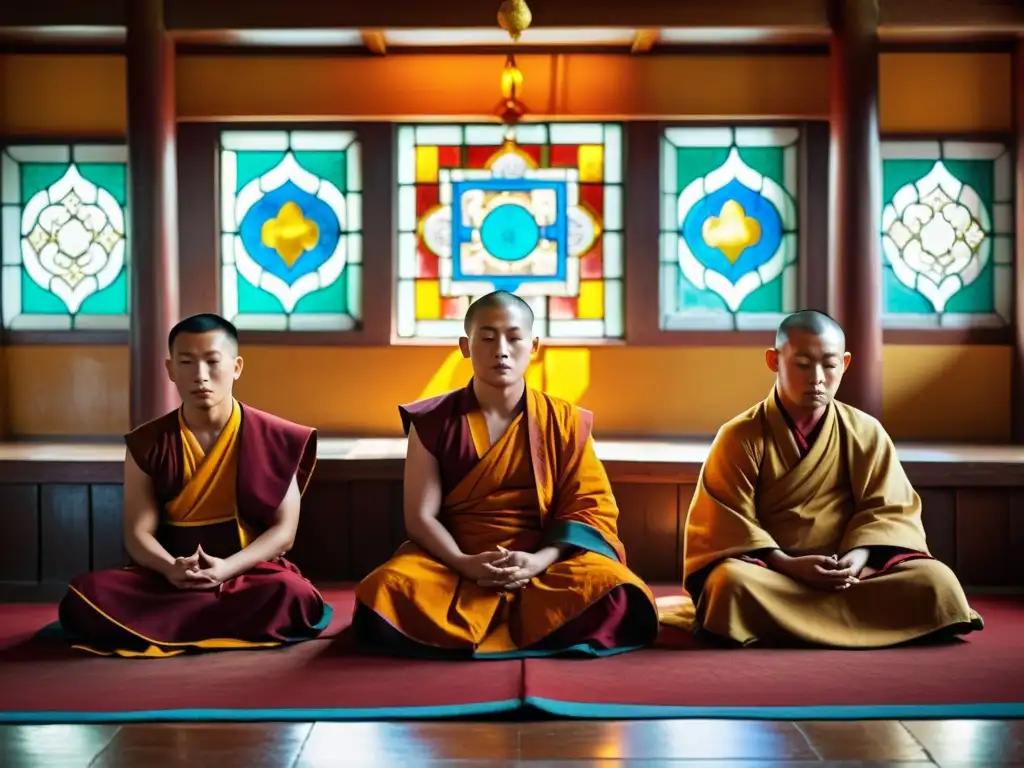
<point>168,367</point>
<point>535,345</point>
<point>464,347</point>
<point>847,357</point>
<point>771,358</point>
<point>239,363</point>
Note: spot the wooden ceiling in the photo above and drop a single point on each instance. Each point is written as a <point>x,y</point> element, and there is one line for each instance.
<point>639,26</point>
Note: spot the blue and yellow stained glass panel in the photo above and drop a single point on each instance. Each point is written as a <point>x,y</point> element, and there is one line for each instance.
<point>947,234</point>
<point>291,230</point>
<point>537,212</point>
<point>63,237</point>
<point>729,235</point>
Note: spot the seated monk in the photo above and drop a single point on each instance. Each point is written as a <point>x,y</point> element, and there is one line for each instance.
<point>804,528</point>
<point>514,550</point>
<point>211,504</point>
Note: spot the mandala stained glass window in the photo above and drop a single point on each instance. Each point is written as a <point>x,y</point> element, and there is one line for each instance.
<point>291,230</point>
<point>729,236</point>
<point>62,237</point>
<point>537,212</point>
<point>947,234</point>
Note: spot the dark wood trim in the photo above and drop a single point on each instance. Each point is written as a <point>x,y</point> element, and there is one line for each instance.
<point>1017,385</point>
<point>999,137</point>
<point>909,16</point>
<point>199,229</point>
<point>198,206</point>
<point>642,216</point>
<point>65,338</point>
<point>814,215</point>
<point>999,337</point>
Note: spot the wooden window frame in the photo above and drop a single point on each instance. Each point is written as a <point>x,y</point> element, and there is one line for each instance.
<point>96,337</point>
<point>199,236</point>
<point>1002,336</point>
<point>643,232</point>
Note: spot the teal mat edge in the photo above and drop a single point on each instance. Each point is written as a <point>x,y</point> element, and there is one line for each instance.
<point>566,709</point>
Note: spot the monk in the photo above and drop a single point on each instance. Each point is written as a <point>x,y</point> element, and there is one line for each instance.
<point>211,505</point>
<point>513,547</point>
<point>804,528</point>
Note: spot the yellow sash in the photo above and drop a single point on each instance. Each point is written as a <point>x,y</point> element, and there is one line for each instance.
<point>210,481</point>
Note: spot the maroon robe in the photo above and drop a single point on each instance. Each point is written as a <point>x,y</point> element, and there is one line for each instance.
<point>136,612</point>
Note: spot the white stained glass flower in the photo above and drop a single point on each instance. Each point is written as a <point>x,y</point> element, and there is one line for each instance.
<point>73,239</point>
<point>935,235</point>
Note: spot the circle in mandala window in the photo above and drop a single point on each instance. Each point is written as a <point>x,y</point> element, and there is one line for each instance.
<point>509,232</point>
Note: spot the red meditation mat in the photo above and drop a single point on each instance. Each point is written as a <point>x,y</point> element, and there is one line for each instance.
<point>979,676</point>
<point>45,681</point>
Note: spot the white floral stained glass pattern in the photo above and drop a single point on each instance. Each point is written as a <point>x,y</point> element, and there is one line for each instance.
<point>947,234</point>
<point>63,235</point>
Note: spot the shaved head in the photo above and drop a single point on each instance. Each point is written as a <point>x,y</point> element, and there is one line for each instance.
<point>812,322</point>
<point>498,300</point>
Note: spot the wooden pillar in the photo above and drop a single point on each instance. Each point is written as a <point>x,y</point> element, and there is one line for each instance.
<point>856,197</point>
<point>1017,392</point>
<point>152,207</point>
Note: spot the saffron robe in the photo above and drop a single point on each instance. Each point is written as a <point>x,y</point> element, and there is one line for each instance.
<point>765,486</point>
<point>222,501</point>
<point>540,484</point>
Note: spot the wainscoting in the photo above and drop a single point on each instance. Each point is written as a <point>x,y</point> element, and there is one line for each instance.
<point>60,510</point>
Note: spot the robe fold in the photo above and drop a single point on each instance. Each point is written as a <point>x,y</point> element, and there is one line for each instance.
<point>540,484</point>
<point>221,500</point>
<point>766,486</point>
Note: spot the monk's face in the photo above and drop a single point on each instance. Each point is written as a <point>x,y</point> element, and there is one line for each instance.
<point>204,368</point>
<point>500,344</point>
<point>810,368</point>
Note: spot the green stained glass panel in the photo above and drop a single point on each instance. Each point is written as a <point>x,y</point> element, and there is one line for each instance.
<point>63,237</point>
<point>729,229</point>
<point>291,239</point>
<point>947,234</point>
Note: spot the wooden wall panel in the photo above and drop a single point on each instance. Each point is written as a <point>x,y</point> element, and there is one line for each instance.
<point>939,514</point>
<point>106,526</point>
<point>376,526</point>
<point>19,520</point>
<point>64,524</point>
<point>649,528</point>
<point>55,530</point>
<point>983,554</point>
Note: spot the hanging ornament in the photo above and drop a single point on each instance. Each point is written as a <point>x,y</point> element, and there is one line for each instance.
<point>514,17</point>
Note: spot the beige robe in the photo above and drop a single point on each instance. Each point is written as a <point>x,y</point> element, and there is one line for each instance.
<point>756,492</point>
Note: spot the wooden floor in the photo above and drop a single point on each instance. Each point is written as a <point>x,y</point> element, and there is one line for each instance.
<point>543,744</point>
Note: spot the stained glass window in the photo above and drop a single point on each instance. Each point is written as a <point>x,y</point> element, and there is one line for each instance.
<point>538,213</point>
<point>291,230</point>
<point>729,236</point>
<point>62,237</point>
<point>947,234</point>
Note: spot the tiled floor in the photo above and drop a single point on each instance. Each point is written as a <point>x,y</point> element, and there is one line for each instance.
<point>544,744</point>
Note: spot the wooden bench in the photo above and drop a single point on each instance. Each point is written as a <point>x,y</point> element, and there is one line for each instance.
<point>60,507</point>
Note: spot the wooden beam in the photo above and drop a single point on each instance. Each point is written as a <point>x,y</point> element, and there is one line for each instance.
<point>152,207</point>
<point>374,41</point>
<point>794,16</point>
<point>1017,391</point>
<point>856,197</point>
<point>645,40</point>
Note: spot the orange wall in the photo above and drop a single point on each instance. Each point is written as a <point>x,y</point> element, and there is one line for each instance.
<point>79,390</point>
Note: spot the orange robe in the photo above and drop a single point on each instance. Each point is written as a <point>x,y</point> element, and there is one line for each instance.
<point>540,484</point>
<point>136,612</point>
<point>765,486</point>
